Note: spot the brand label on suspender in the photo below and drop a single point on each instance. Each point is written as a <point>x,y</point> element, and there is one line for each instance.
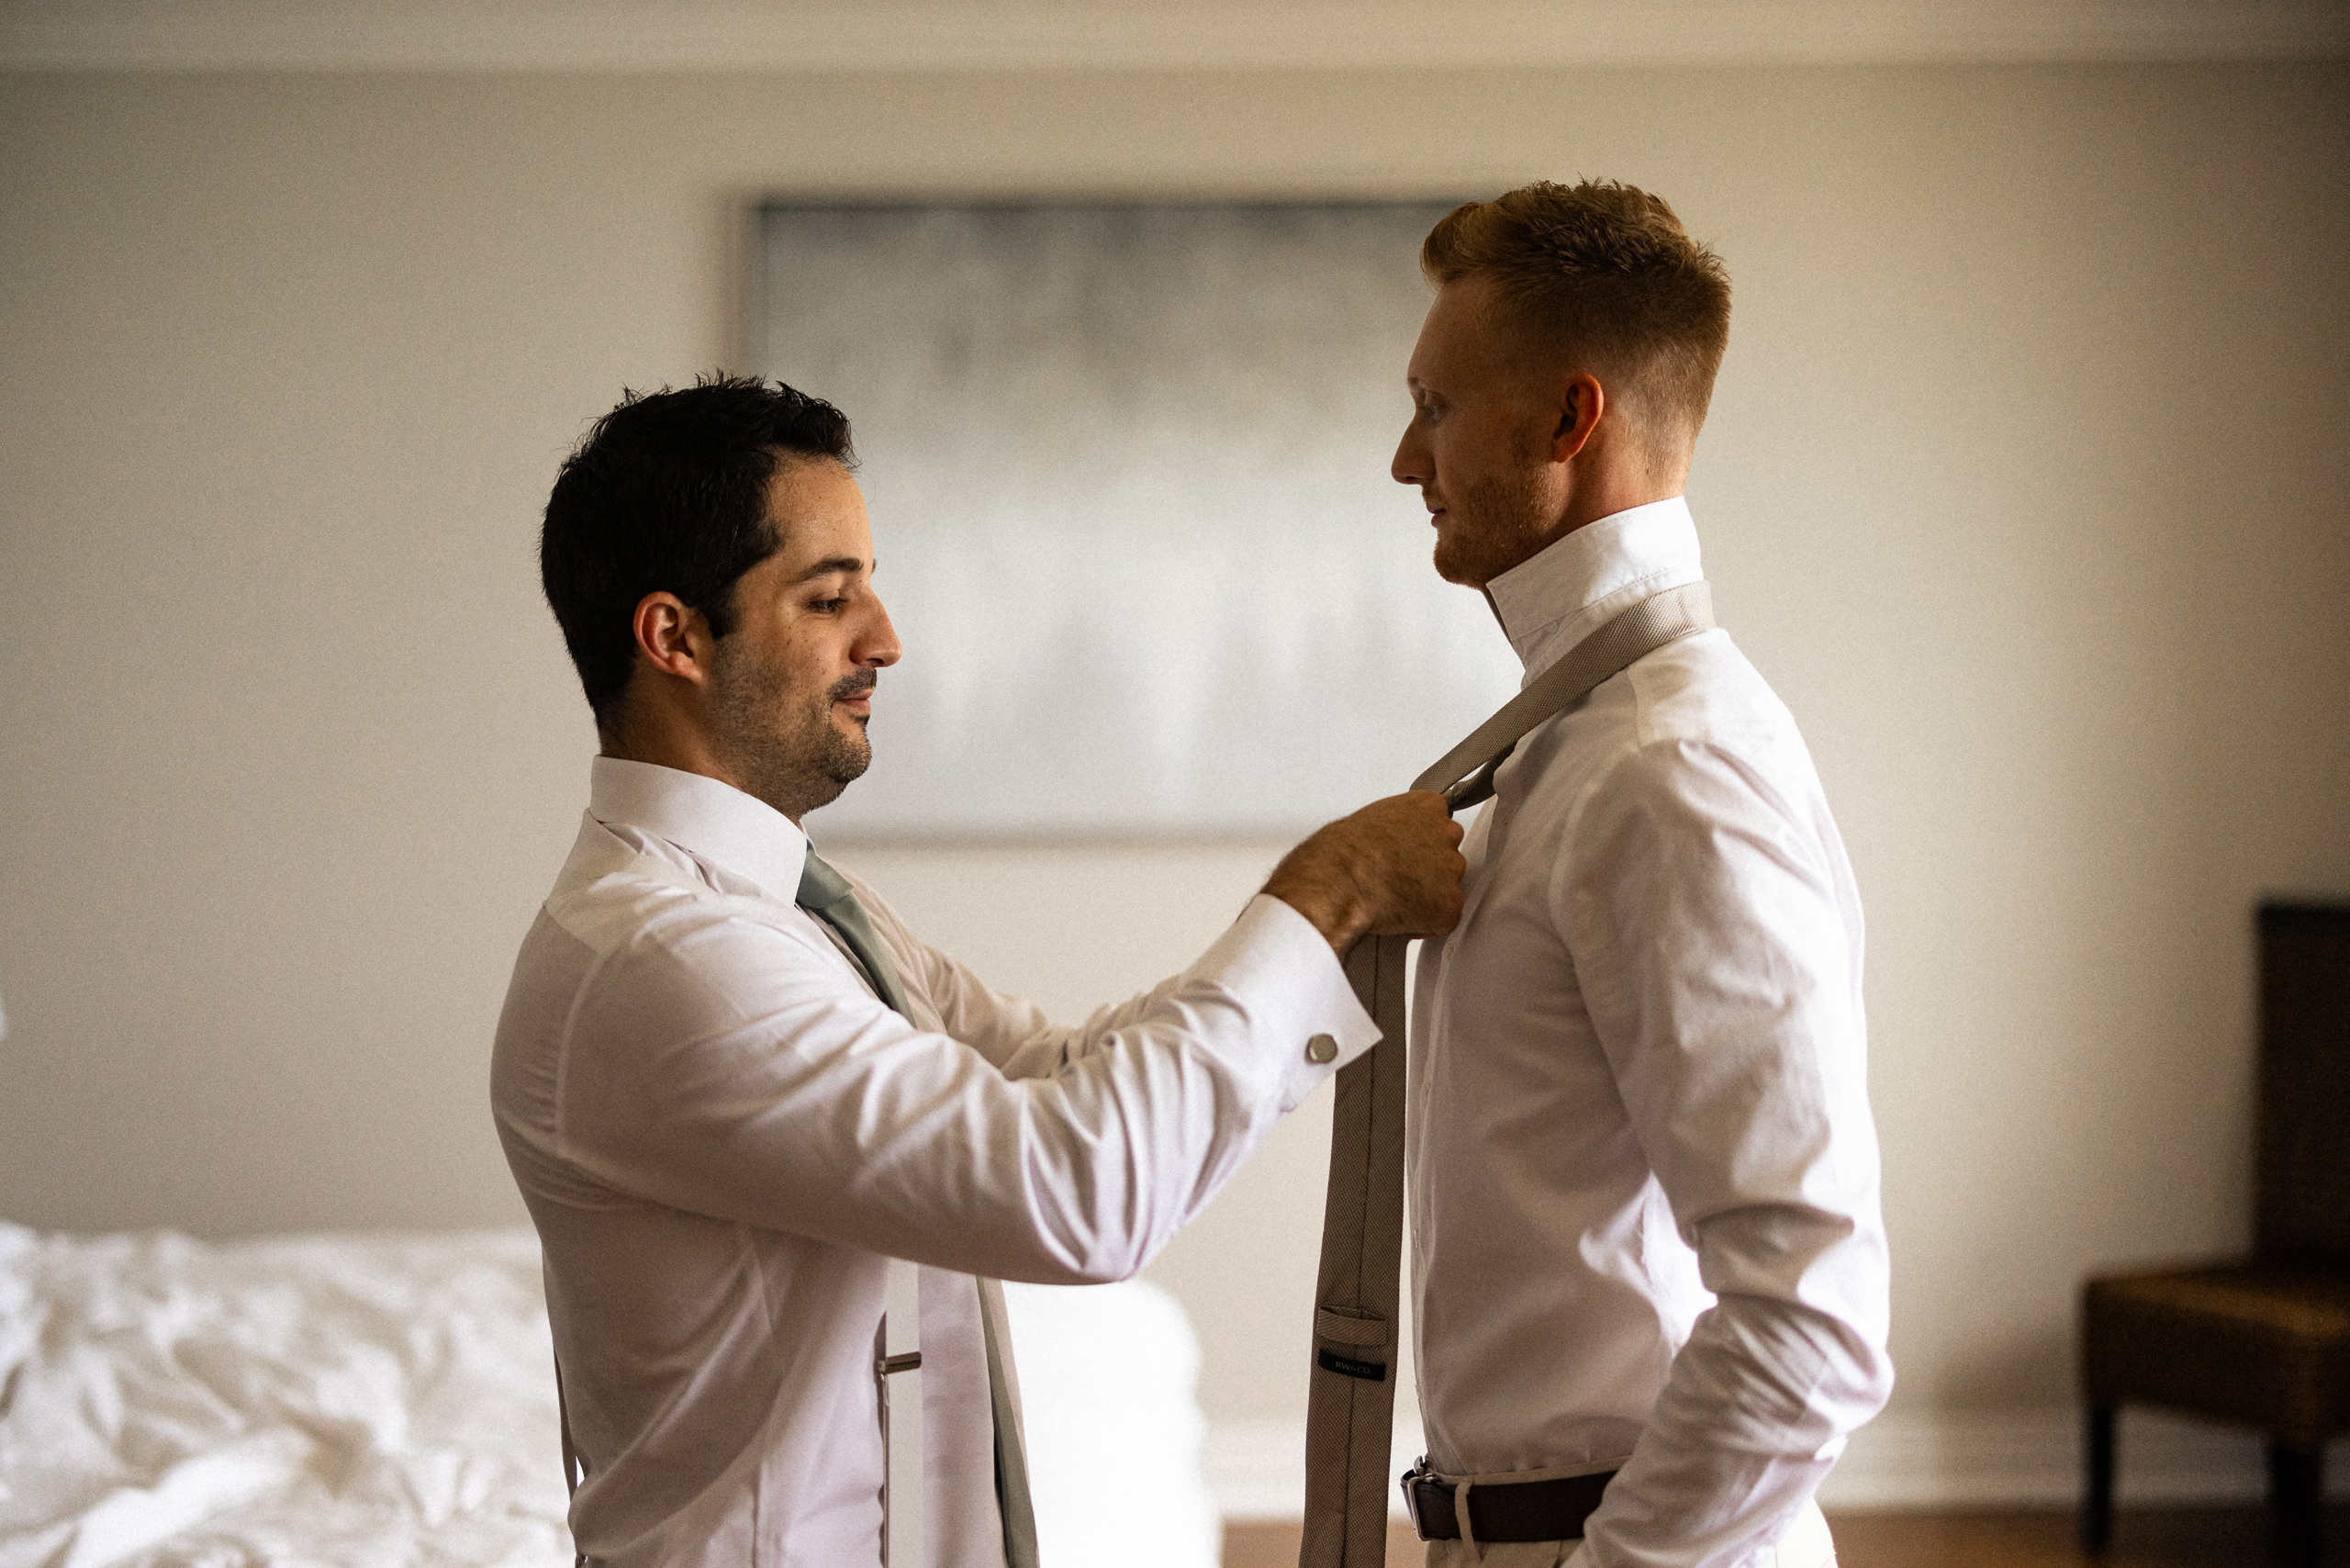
<point>1347,1366</point>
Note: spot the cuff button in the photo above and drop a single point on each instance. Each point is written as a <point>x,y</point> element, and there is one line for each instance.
<point>1321,1050</point>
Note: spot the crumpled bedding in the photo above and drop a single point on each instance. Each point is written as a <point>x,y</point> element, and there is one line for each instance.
<point>387,1401</point>
<point>354,1401</point>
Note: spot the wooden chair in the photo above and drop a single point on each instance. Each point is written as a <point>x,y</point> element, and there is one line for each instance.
<point>2267,1342</point>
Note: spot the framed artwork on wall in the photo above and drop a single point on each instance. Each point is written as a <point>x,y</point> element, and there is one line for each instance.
<point>1127,466</point>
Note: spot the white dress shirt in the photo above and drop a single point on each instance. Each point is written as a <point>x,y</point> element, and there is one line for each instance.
<point>722,1134</point>
<point>1644,1198</point>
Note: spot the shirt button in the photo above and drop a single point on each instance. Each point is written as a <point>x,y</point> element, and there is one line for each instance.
<point>1321,1050</point>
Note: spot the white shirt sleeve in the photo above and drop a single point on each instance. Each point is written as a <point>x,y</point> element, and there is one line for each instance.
<point>723,1063</point>
<point>1719,970</point>
<point>1010,1031</point>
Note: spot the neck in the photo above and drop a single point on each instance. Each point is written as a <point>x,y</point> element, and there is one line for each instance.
<point>1588,507</point>
<point>666,740</point>
<point>1586,504</point>
<point>1612,476</point>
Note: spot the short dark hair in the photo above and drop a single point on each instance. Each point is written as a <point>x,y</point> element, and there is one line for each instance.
<point>669,493</point>
<point>1607,273</point>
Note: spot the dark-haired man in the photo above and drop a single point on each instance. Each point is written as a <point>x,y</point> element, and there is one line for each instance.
<point>1643,1174</point>
<point>732,1086</point>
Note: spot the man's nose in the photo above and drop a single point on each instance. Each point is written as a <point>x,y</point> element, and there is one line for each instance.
<point>1410,466</point>
<point>878,646</point>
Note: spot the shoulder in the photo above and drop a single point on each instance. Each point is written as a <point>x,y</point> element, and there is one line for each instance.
<point>619,902</point>
<point>1702,733</point>
<point>1704,689</point>
<point>1700,705</point>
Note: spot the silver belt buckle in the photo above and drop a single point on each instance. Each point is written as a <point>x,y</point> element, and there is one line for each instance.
<point>1419,1471</point>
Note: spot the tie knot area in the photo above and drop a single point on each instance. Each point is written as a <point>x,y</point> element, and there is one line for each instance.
<point>821,886</point>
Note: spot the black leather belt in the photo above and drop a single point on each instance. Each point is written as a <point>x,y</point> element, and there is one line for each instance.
<point>1504,1510</point>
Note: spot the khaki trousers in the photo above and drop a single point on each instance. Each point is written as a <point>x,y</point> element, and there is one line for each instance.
<point>1806,1545</point>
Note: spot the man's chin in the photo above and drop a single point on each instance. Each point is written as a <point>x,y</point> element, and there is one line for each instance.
<point>854,747</point>
<point>848,762</point>
<point>1458,566</point>
<point>840,771</point>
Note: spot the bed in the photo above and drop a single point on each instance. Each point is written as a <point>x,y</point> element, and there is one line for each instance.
<point>385,1401</point>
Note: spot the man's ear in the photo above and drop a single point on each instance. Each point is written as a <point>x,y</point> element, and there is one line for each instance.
<point>1582,403</point>
<point>673,637</point>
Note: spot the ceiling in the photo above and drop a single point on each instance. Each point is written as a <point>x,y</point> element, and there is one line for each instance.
<point>844,35</point>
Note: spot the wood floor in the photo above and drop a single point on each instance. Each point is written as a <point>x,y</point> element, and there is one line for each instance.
<point>2166,1537</point>
<point>1275,1546</point>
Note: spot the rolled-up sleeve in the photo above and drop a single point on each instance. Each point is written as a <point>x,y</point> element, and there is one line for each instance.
<point>1720,969</point>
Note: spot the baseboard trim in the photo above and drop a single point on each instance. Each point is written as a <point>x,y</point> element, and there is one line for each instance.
<point>2026,1457</point>
<point>1900,1462</point>
<point>1256,1469</point>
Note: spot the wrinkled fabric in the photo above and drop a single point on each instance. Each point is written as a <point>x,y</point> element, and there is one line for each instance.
<point>1646,1225</point>
<point>723,1136</point>
<point>387,1401</point>
<point>376,1402</point>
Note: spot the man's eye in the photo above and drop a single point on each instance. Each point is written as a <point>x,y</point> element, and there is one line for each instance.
<point>830,606</point>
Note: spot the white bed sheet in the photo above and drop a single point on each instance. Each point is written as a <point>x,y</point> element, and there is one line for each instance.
<point>385,1402</point>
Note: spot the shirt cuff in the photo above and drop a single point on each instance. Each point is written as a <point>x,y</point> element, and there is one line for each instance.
<point>1293,994</point>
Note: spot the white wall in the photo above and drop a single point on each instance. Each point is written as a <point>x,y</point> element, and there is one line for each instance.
<point>2024,485</point>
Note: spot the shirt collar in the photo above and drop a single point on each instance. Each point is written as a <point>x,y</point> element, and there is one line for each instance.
<point>1551,602</point>
<point>704,817</point>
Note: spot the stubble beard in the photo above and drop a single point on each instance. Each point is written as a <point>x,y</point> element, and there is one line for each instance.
<point>1497,522</point>
<point>796,762</point>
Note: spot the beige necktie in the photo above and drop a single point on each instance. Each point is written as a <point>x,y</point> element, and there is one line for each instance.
<point>826,894</point>
<point>1350,1402</point>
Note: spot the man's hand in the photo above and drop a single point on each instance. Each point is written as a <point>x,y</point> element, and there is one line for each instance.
<point>1394,868</point>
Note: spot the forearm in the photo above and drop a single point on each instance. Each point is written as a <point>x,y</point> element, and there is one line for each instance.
<point>1717,939</point>
<point>1017,1036</point>
<point>803,1107</point>
<point>1107,1159</point>
<point>1753,1415</point>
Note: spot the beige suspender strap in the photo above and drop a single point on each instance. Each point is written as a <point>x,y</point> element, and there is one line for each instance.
<point>1013,1502</point>
<point>826,894</point>
<point>897,1373</point>
<point>1351,1407</point>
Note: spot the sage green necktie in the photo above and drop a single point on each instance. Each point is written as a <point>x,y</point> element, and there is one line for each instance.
<point>826,894</point>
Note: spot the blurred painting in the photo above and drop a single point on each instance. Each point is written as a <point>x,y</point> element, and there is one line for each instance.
<point>1128,473</point>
